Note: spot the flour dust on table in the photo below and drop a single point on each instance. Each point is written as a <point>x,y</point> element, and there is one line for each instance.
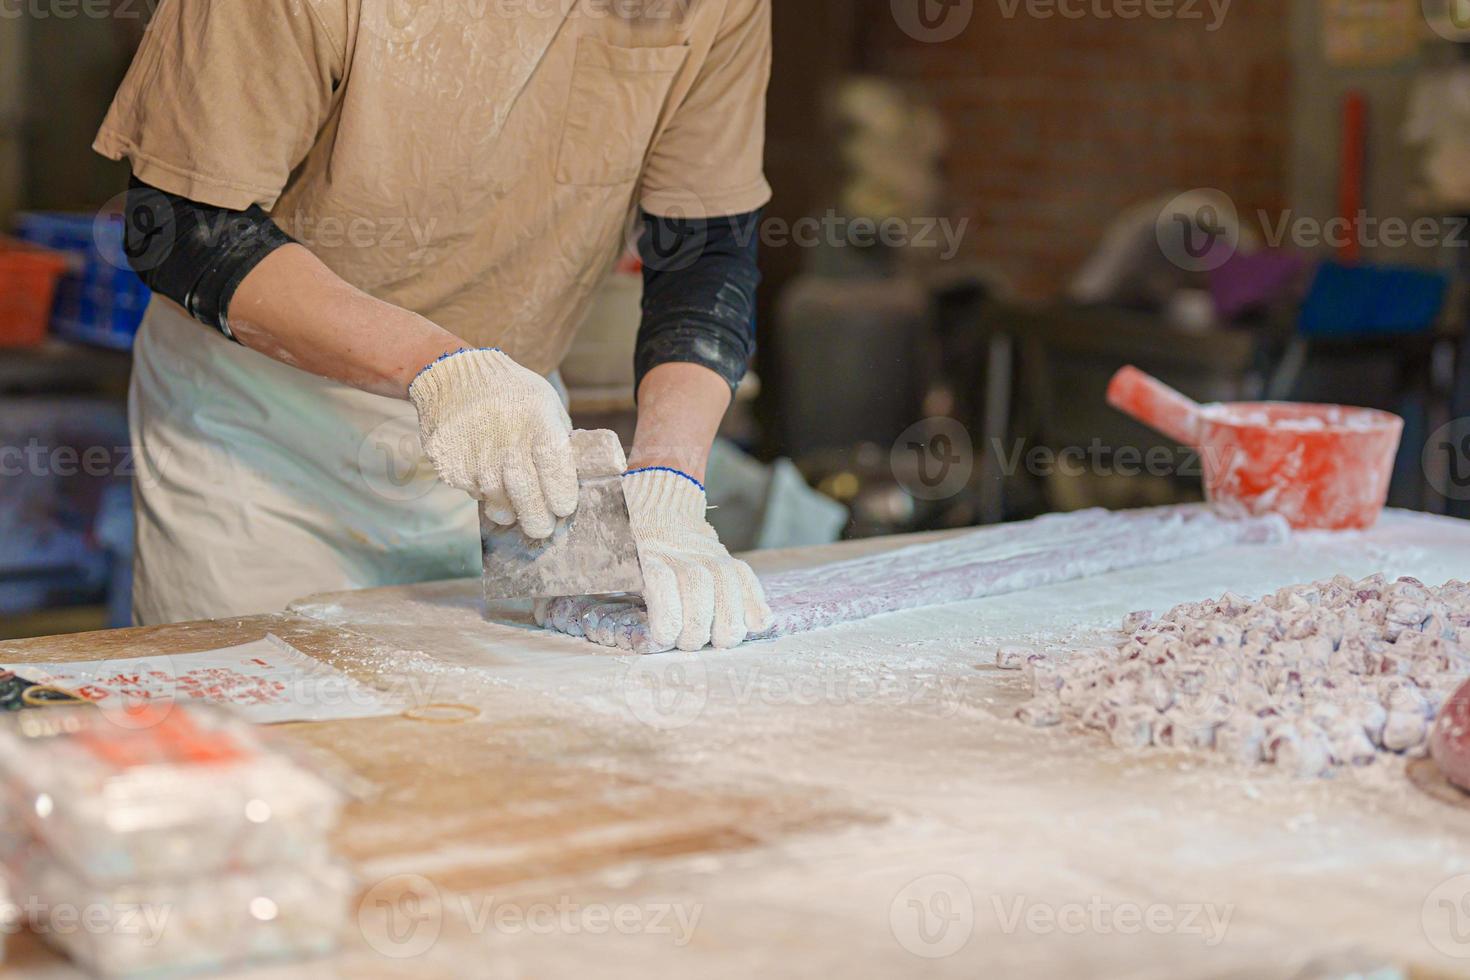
<point>1309,679</point>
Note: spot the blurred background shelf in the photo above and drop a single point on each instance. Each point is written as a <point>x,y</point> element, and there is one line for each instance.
<point>1020,158</point>
<point>63,367</point>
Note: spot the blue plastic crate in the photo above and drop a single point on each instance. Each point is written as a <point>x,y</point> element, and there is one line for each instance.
<point>1362,301</point>
<point>100,300</point>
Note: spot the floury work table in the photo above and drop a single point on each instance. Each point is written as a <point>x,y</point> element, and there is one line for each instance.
<point>851,802</point>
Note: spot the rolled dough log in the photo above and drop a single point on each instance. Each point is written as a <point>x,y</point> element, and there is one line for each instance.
<point>986,562</point>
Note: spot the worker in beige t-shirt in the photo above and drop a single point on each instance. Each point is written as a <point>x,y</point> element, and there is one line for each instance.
<point>371,230</point>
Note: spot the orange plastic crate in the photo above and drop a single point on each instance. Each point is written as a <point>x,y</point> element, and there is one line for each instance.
<point>28,277</point>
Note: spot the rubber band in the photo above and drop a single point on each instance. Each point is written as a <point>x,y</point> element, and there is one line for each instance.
<point>32,696</point>
<point>458,713</point>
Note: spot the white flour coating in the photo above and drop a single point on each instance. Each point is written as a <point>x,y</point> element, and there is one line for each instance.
<point>1337,418</point>
<point>990,561</point>
<point>1310,678</point>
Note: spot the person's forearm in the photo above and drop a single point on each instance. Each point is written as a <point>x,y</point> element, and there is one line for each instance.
<point>679,411</point>
<point>292,308</point>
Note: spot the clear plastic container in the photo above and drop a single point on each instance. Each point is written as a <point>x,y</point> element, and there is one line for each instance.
<point>200,923</point>
<point>166,792</point>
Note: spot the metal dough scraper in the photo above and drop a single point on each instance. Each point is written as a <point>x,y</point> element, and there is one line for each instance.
<point>590,553</point>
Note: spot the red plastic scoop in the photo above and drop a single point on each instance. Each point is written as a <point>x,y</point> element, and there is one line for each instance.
<point>1320,466</point>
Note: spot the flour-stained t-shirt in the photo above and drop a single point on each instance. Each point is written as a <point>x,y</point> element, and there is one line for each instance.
<point>476,161</point>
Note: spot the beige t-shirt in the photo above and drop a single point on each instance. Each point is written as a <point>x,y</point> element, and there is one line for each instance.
<point>476,161</point>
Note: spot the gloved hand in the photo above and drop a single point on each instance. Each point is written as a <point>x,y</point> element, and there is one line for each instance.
<point>695,592</point>
<point>500,433</point>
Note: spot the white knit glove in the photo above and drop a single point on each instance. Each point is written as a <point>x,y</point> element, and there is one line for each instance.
<point>695,592</point>
<point>500,433</point>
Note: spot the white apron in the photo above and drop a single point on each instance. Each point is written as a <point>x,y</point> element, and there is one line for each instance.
<point>258,484</point>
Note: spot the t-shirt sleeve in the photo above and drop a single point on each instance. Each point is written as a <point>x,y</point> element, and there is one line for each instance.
<point>226,97</point>
<point>709,161</point>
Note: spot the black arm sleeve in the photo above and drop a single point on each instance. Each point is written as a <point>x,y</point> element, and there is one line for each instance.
<point>195,254</point>
<point>699,283</point>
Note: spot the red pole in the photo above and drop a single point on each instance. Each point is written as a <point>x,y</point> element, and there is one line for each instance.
<point>1350,180</point>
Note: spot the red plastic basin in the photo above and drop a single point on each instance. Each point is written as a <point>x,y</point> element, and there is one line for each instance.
<point>1323,467</point>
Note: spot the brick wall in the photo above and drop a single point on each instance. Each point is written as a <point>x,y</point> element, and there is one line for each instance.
<point>1057,124</point>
